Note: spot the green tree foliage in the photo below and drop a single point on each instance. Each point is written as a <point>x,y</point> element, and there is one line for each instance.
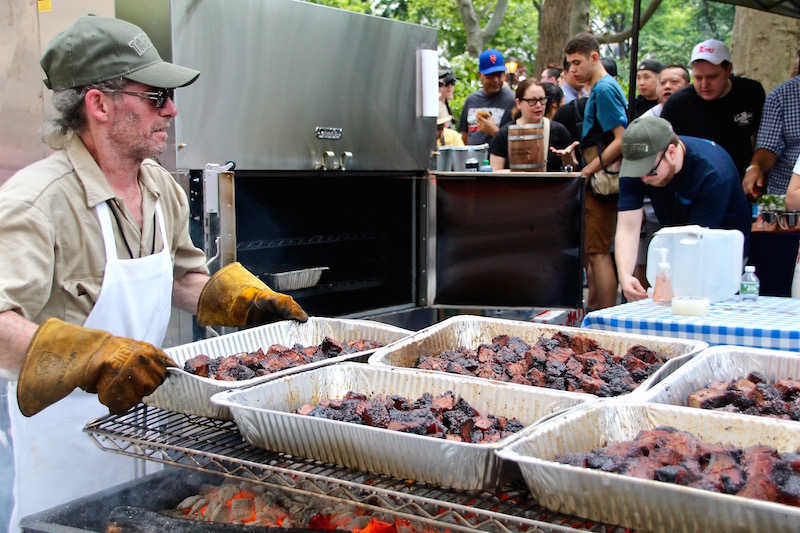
<point>669,35</point>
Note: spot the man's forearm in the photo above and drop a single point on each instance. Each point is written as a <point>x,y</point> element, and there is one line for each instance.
<point>626,241</point>
<point>186,291</point>
<point>763,159</point>
<point>16,334</point>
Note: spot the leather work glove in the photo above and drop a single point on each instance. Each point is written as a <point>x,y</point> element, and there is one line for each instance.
<point>235,297</point>
<point>64,356</point>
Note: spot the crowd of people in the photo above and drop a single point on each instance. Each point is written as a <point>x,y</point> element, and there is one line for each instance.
<point>712,143</point>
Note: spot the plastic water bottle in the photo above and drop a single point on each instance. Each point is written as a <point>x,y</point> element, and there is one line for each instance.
<point>750,286</point>
<point>485,167</point>
<point>471,164</point>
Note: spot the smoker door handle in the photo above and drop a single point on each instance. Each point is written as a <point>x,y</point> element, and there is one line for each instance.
<point>344,160</point>
<point>323,165</point>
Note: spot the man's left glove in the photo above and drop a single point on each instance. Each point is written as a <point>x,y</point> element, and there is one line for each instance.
<point>64,356</point>
<point>235,297</point>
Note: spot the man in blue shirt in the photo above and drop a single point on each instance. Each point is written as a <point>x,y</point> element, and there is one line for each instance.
<point>604,121</point>
<point>688,180</point>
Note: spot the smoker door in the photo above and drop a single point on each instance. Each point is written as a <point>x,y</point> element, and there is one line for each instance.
<point>283,82</point>
<point>361,228</point>
<point>506,240</point>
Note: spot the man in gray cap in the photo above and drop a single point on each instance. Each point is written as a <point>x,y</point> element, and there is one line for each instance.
<point>94,251</point>
<point>689,181</point>
<point>718,106</point>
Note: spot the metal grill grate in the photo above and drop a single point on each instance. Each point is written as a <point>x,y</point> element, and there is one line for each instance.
<point>216,446</point>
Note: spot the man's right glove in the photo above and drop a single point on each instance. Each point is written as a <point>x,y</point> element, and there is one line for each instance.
<point>64,356</point>
<point>235,297</point>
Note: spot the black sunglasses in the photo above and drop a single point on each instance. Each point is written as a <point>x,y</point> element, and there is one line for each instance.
<point>533,101</point>
<point>654,170</point>
<point>159,97</point>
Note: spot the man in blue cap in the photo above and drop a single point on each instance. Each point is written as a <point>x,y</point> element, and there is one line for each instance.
<point>489,108</point>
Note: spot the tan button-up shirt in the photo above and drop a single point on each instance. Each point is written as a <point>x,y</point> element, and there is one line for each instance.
<point>52,255</point>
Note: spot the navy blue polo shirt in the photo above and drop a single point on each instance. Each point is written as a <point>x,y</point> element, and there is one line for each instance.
<point>707,192</point>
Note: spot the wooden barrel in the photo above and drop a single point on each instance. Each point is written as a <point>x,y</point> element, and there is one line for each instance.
<point>526,148</point>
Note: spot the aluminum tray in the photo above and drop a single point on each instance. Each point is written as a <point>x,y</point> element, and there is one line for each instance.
<point>264,415</point>
<point>723,363</point>
<point>643,504</point>
<point>187,393</point>
<point>295,279</point>
<point>470,331</point>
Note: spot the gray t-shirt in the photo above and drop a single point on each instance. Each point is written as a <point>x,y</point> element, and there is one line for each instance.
<point>499,105</point>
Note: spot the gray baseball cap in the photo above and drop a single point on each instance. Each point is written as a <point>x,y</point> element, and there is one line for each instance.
<point>641,143</point>
<point>95,49</point>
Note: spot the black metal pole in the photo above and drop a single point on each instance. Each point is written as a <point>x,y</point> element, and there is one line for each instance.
<point>637,8</point>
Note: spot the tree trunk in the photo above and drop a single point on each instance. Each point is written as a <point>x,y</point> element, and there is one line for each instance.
<point>578,18</point>
<point>763,46</point>
<point>477,37</point>
<point>553,35</point>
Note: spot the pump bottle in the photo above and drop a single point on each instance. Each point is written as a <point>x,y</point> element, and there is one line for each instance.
<point>662,292</point>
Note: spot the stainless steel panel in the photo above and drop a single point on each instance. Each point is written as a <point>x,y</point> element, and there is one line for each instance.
<point>187,393</point>
<point>470,331</point>
<point>264,415</point>
<point>277,75</point>
<point>639,503</point>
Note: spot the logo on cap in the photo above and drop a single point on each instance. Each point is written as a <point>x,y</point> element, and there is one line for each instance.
<point>493,59</point>
<point>637,147</point>
<point>141,43</point>
<point>705,49</point>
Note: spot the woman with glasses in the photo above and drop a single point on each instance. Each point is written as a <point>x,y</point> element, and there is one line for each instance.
<point>531,103</point>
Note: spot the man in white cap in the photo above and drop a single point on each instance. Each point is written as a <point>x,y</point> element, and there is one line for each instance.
<point>488,108</point>
<point>718,106</point>
<point>94,251</point>
<point>688,180</point>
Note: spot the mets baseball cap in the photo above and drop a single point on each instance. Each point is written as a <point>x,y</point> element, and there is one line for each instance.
<point>711,50</point>
<point>95,49</point>
<point>641,143</point>
<point>490,61</point>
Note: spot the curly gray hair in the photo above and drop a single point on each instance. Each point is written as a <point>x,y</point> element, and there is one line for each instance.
<point>69,103</point>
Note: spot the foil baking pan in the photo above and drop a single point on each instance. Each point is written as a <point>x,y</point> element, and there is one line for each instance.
<point>264,415</point>
<point>723,363</point>
<point>639,503</point>
<point>187,393</point>
<point>295,279</point>
<point>471,331</point>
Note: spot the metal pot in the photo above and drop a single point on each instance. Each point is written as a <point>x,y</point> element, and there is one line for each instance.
<point>788,220</point>
<point>460,154</point>
<point>444,161</point>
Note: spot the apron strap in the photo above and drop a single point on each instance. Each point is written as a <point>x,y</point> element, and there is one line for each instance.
<point>161,226</point>
<point>108,232</point>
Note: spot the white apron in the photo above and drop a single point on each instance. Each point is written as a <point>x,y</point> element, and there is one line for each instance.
<point>55,461</point>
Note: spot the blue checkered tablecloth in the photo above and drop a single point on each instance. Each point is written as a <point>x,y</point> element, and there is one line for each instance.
<point>769,322</point>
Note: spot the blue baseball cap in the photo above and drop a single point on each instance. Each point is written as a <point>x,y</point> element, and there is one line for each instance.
<point>490,61</point>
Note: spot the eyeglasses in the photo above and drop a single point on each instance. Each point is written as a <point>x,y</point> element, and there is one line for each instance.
<point>654,170</point>
<point>451,82</point>
<point>159,97</point>
<point>497,74</point>
<point>533,101</point>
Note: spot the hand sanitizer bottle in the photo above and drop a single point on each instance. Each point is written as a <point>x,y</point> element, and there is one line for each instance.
<point>662,292</point>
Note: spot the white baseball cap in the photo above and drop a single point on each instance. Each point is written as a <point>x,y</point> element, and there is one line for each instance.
<point>711,50</point>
